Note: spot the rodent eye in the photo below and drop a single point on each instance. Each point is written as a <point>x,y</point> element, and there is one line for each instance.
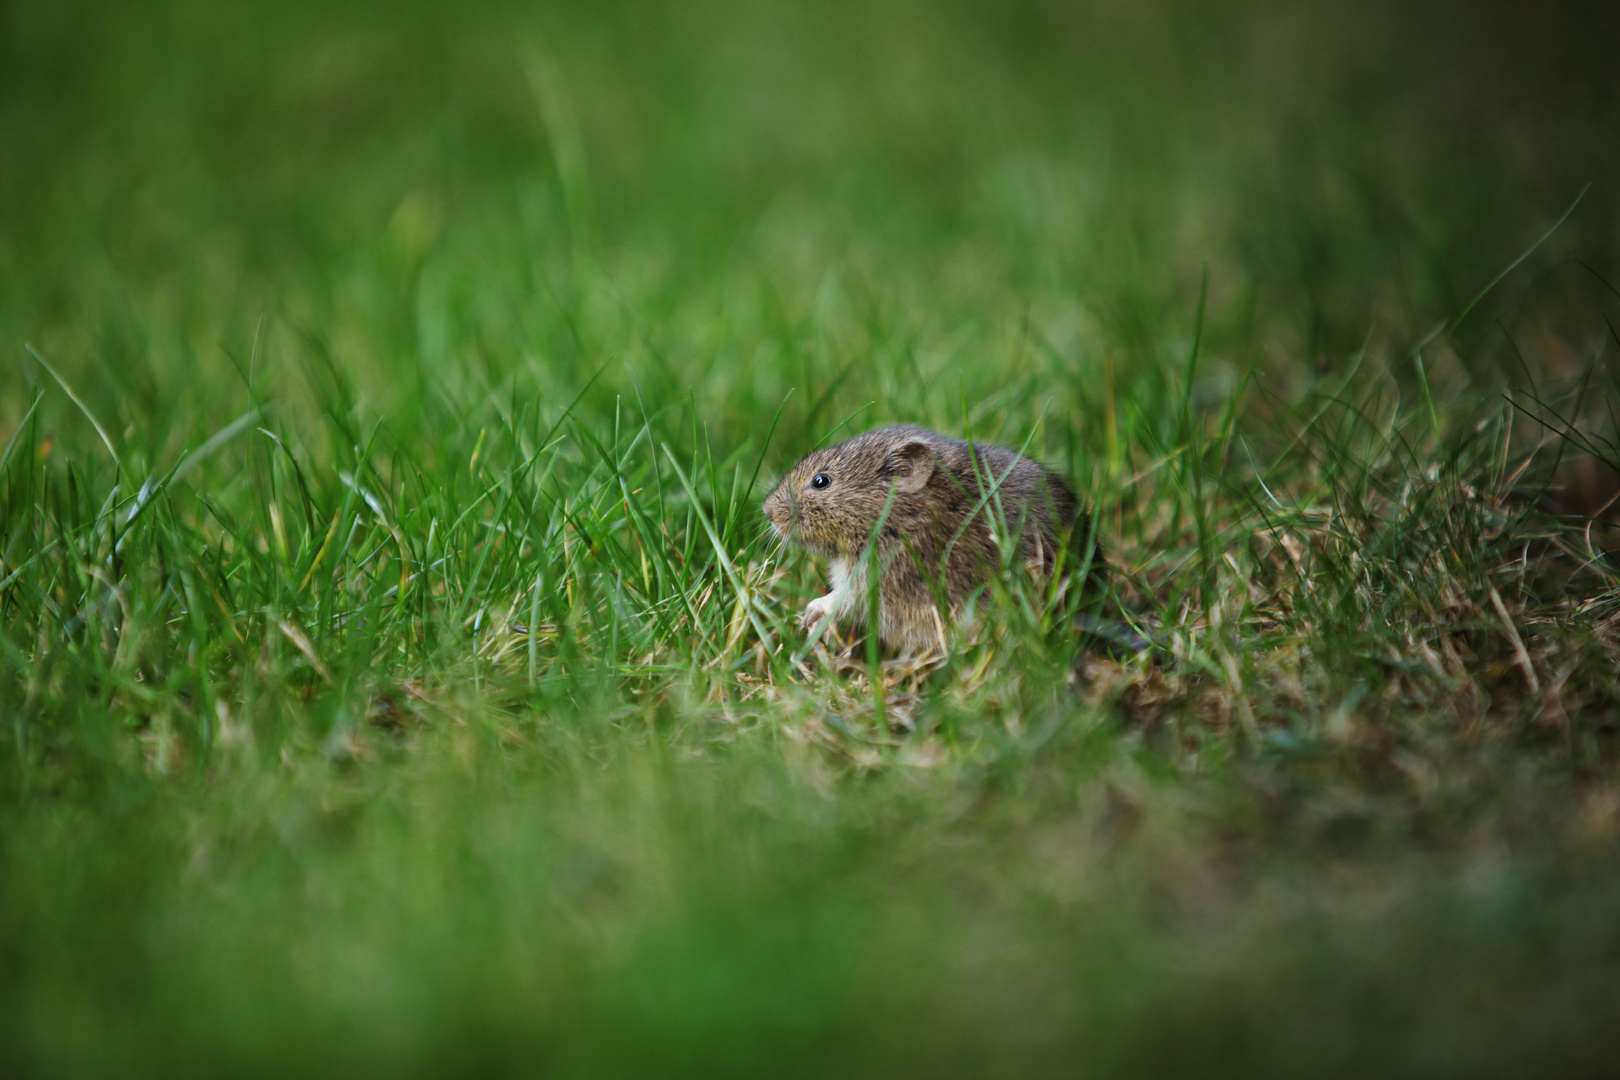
<point>820,480</point>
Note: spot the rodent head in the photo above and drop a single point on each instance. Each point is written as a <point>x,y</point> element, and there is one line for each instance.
<point>829,502</point>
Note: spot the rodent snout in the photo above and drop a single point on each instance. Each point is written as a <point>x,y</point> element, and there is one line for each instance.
<point>779,509</point>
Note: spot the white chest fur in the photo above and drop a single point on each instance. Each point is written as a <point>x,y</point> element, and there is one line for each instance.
<point>847,581</point>
<point>839,603</point>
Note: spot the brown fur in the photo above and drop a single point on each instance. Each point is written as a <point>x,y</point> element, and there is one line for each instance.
<point>940,531</point>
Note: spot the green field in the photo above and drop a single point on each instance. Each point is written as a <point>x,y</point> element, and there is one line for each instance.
<point>396,679</point>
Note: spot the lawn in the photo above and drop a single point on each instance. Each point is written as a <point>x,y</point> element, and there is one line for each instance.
<point>396,673</point>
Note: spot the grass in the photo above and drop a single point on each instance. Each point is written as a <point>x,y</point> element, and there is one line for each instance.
<point>395,676</point>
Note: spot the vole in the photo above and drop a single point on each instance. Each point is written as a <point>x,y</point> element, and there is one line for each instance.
<point>941,531</point>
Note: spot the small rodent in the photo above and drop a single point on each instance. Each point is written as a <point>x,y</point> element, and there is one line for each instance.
<point>940,525</point>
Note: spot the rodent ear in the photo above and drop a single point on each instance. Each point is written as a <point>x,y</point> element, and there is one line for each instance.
<point>913,464</point>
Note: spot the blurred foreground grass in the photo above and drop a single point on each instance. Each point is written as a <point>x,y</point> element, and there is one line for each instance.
<point>394,677</point>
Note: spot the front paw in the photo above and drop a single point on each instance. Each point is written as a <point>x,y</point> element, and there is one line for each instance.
<point>816,610</point>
